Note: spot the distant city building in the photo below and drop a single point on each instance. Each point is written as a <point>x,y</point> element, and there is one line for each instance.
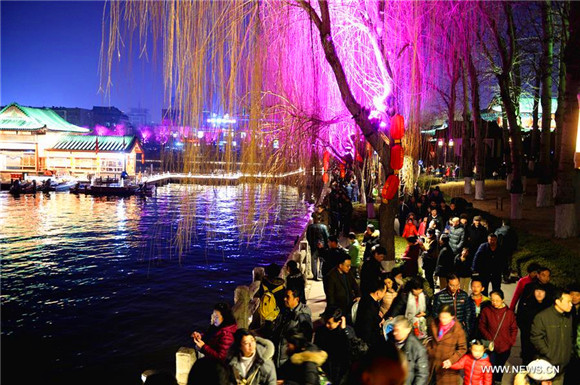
<point>139,116</point>
<point>78,116</point>
<point>110,117</point>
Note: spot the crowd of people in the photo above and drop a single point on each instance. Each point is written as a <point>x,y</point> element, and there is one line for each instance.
<point>426,317</point>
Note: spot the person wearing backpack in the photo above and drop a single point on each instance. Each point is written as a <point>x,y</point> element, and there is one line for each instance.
<point>271,295</point>
<point>295,316</point>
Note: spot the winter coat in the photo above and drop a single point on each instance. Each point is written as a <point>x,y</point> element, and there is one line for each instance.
<point>317,232</point>
<point>489,321</point>
<point>417,360</point>
<point>507,238</point>
<point>262,371</point>
<point>341,290</point>
<point>464,307</point>
<point>519,290</point>
<point>475,237</point>
<point>330,258</point>
<point>399,306</point>
<point>411,257</point>
<point>410,230</point>
<point>336,343</point>
<point>220,342</point>
<point>552,336</point>
<point>527,311</point>
<point>438,220</point>
<point>488,262</point>
<point>473,370</point>
<point>452,346</point>
<point>388,300</point>
<point>445,262</point>
<point>354,252</point>
<point>299,319</point>
<point>457,239</point>
<point>371,271</point>
<point>369,241</point>
<point>302,367</point>
<point>463,268</point>
<point>528,292</point>
<point>367,322</point>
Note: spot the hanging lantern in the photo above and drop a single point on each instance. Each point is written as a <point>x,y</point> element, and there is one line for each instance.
<point>326,160</point>
<point>342,171</point>
<point>397,157</point>
<point>325,178</point>
<point>391,187</point>
<point>397,127</point>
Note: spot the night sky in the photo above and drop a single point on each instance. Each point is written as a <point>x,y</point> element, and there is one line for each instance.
<point>50,57</point>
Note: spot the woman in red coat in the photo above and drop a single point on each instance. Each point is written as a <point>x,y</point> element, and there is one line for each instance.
<point>497,323</point>
<point>475,365</point>
<point>220,335</point>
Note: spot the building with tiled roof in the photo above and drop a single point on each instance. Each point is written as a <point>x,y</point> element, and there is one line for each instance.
<point>95,155</point>
<point>25,134</point>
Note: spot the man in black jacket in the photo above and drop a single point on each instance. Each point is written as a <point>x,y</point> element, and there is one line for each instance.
<point>372,269</point>
<point>552,334</point>
<point>459,300</point>
<point>418,363</point>
<point>489,262</point>
<point>368,322</point>
<point>476,234</point>
<point>456,236</point>
<point>342,288</point>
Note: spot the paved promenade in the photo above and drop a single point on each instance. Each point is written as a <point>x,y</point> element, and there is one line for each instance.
<point>317,302</point>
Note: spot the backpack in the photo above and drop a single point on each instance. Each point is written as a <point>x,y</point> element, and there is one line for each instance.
<point>268,309</point>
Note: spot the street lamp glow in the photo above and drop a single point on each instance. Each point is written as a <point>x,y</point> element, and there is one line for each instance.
<point>451,143</point>
<point>440,142</point>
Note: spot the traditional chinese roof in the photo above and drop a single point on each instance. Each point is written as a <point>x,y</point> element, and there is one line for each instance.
<point>89,143</point>
<point>15,117</point>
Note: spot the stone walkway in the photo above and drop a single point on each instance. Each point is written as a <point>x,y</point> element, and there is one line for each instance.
<point>316,300</point>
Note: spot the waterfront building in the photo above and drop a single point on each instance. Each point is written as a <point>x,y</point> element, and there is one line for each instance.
<point>105,156</point>
<point>25,135</point>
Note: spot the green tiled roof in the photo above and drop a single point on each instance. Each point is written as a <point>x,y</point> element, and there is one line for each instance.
<point>32,119</point>
<point>89,143</point>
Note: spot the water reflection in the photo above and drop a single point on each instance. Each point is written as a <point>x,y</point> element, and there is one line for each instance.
<point>93,283</point>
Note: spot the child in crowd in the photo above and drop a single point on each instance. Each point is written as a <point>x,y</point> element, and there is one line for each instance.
<point>473,364</point>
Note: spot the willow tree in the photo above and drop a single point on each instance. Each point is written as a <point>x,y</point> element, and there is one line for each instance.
<point>311,76</point>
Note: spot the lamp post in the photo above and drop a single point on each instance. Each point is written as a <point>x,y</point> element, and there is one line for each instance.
<point>450,145</point>
<point>440,143</point>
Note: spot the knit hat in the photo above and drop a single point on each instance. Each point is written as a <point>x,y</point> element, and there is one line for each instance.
<point>541,370</point>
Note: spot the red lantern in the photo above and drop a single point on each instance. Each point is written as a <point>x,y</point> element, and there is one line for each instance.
<point>326,160</point>
<point>397,127</point>
<point>397,157</point>
<point>391,187</point>
<point>342,171</point>
<point>325,178</point>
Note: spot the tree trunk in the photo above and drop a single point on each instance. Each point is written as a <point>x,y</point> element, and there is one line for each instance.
<point>565,225</point>
<point>535,120</point>
<point>477,130</point>
<point>466,153</point>
<point>561,80</point>
<point>360,115</point>
<point>544,198</point>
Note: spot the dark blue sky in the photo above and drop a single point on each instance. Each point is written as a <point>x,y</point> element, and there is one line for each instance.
<point>50,56</point>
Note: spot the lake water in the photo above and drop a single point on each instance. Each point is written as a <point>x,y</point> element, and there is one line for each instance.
<point>97,290</point>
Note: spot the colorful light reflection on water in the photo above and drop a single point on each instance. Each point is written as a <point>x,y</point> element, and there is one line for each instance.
<point>92,287</point>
